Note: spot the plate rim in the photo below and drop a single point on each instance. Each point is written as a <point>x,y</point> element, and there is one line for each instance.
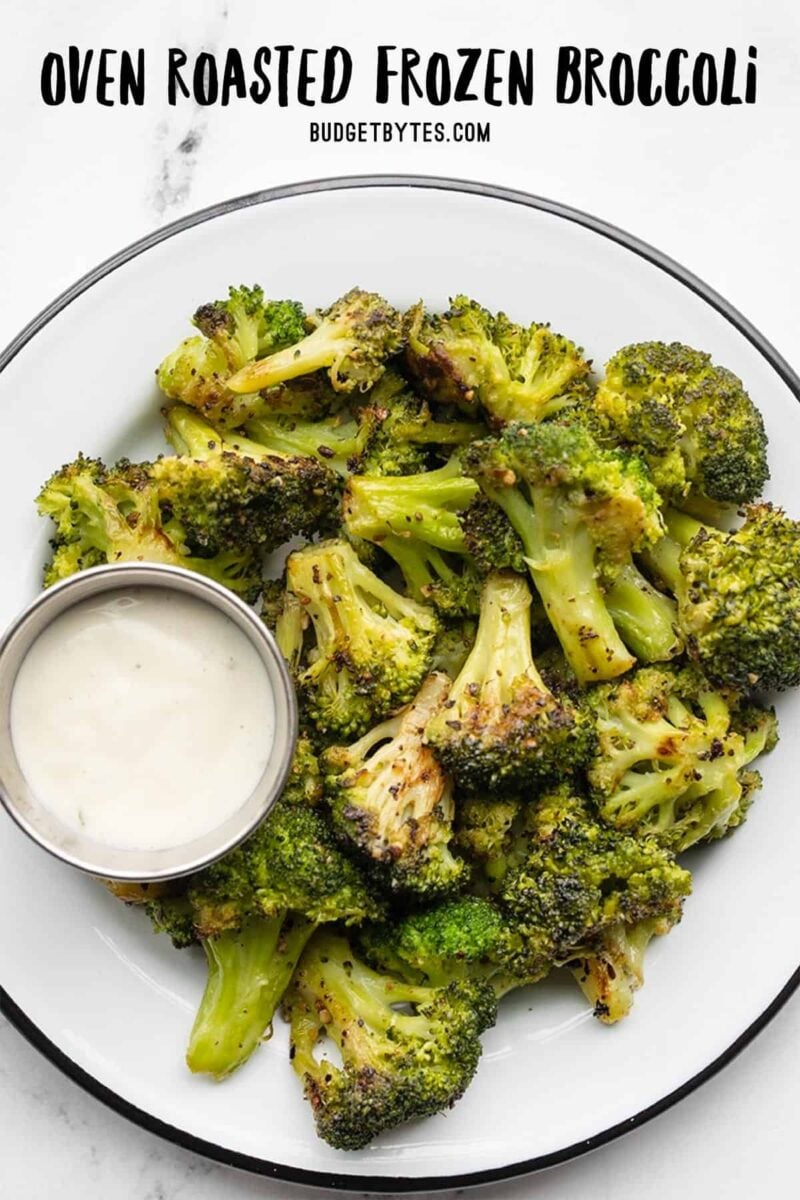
<point>343,1181</point>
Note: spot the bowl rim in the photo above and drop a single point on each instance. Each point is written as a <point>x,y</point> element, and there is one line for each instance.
<point>336,1180</point>
<point>167,863</point>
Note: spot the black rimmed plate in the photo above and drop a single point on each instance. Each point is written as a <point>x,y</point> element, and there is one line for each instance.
<point>85,979</point>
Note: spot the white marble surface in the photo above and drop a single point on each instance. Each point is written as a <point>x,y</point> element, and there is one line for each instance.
<point>716,188</point>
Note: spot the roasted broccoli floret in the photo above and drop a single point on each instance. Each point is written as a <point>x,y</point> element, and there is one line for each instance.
<point>490,537</point>
<point>468,357</point>
<point>371,647</point>
<point>116,515</point>
<point>339,441</point>
<point>690,419</point>
<point>580,512</point>
<point>232,333</point>
<point>452,646</point>
<point>501,727</point>
<point>406,1050</point>
<point>670,752</point>
<point>405,435</point>
<point>738,595</point>
<point>493,833</point>
<point>351,340</point>
<point>415,521</point>
<point>392,799</point>
<point>610,967</point>
<point>232,493</point>
<point>578,877</point>
<point>466,937</point>
<point>254,911</point>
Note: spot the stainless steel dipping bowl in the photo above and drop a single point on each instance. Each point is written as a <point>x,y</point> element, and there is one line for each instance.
<point>81,851</point>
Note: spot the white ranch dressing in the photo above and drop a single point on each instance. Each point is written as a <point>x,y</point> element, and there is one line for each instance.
<point>143,718</point>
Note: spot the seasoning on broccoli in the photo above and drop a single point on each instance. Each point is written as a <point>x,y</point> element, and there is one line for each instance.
<point>501,727</point>
<point>406,1050</point>
<point>691,420</point>
<point>470,358</point>
<point>232,333</point>
<point>371,646</point>
<point>670,754</point>
<point>580,512</point>
<point>392,799</point>
<point>351,340</point>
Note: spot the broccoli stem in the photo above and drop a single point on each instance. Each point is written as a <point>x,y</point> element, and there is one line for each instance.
<point>664,557</point>
<point>560,555</point>
<point>315,352</point>
<point>422,565</point>
<point>646,618</point>
<point>502,652</point>
<point>248,971</point>
<point>333,442</point>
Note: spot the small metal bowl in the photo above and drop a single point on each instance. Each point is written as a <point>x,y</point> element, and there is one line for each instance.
<point>98,858</point>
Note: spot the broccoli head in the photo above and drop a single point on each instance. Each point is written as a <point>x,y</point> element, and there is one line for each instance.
<point>390,797</point>
<point>351,340</point>
<point>501,727</point>
<point>670,754</point>
<point>233,332</point>
<point>690,419</point>
<point>371,647</point>
<point>232,493</point>
<point>578,877</point>
<point>739,599</point>
<point>468,357</point>
<point>116,515</point>
<point>580,511</point>
<point>610,968</point>
<point>466,937</point>
<point>406,1050</point>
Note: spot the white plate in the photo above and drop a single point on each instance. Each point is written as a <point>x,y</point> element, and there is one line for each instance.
<point>110,1003</point>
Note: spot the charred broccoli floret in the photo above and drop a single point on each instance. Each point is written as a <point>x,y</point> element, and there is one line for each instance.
<point>405,433</point>
<point>392,799</point>
<point>371,647</point>
<point>738,595</point>
<point>493,834</point>
<point>468,357</point>
<point>351,340</point>
<point>415,521</point>
<point>670,753</point>
<point>578,878</point>
<point>690,419</point>
<point>231,492</point>
<point>116,515</point>
<point>501,727</point>
<point>610,967</point>
<point>580,512</point>
<point>233,332</point>
<point>406,1050</point>
<point>254,911</point>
